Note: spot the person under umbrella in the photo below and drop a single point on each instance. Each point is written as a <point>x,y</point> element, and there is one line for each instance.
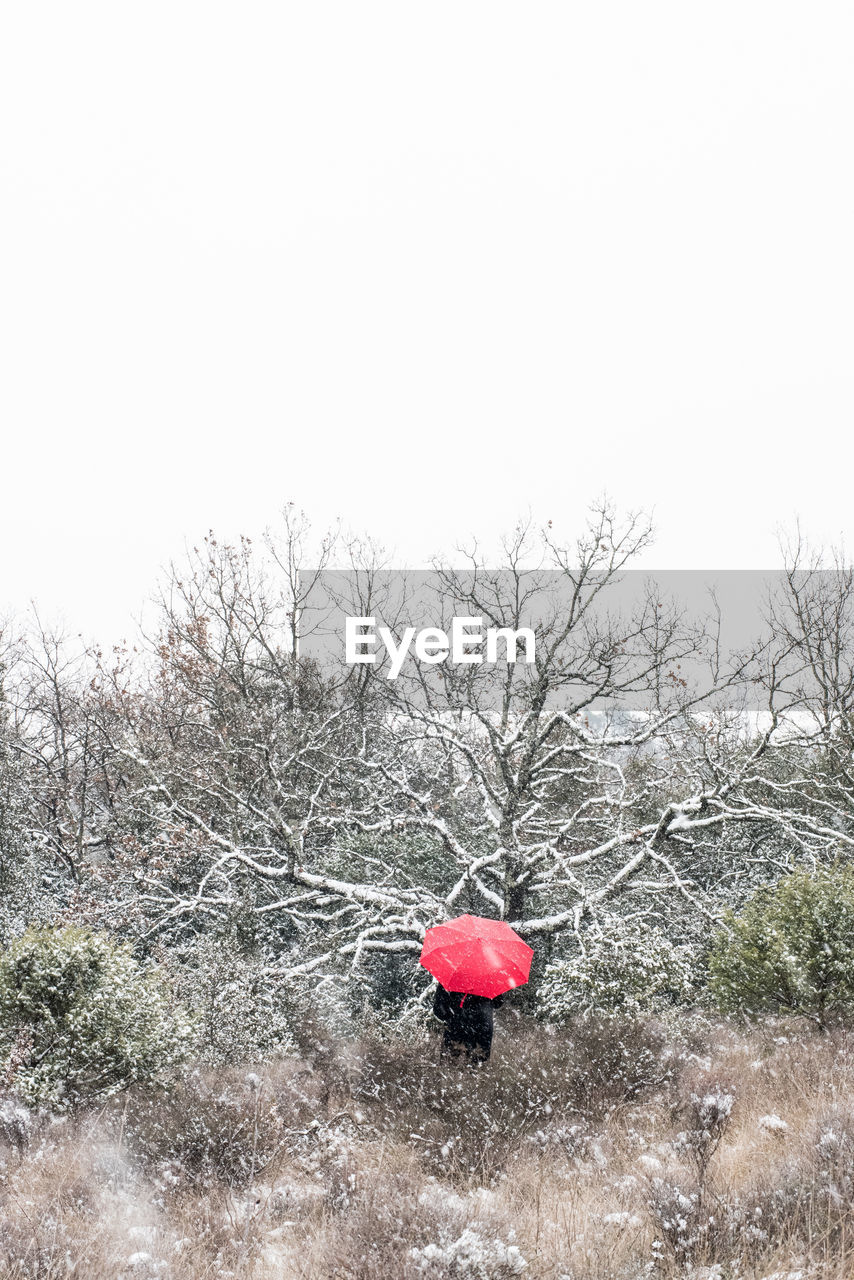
<point>468,1024</point>
<point>475,961</point>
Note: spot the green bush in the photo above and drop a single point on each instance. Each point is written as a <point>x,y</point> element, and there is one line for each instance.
<point>628,969</point>
<point>81,1019</point>
<point>791,949</point>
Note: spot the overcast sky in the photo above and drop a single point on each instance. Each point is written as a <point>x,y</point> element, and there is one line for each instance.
<point>420,267</point>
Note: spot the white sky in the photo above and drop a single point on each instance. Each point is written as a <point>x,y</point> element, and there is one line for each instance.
<point>423,267</point>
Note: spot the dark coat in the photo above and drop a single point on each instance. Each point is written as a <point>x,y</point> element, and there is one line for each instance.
<point>468,1023</point>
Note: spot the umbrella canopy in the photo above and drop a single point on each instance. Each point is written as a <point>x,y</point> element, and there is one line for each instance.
<point>478,956</point>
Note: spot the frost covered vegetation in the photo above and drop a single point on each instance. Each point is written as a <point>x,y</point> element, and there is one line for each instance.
<point>607,1152</point>
<point>218,860</point>
<point>80,1020</point>
<point>211,782</point>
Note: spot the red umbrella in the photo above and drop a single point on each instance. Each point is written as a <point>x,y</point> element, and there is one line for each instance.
<point>478,956</point>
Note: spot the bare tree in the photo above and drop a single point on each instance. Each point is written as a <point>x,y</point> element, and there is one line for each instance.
<point>808,684</point>
<point>551,787</point>
<point>350,814</point>
<point>217,770</point>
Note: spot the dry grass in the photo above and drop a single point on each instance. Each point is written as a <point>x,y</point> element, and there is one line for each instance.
<point>605,1154</point>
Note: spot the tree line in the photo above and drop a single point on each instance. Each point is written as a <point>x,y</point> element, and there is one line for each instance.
<point>210,776</point>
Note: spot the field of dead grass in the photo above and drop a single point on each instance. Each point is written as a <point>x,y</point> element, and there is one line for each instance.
<point>604,1152</point>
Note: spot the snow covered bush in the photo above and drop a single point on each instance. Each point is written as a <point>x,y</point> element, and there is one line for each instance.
<point>206,1130</point>
<point>773,1124</point>
<point>791,949</point>
<point>80,1018</point>
<point>471,1254</point>
<point>243,1013</point>
<point>613,1060</point>
<point>708,1116</point>
<point>15,1123</point>
<point>676,1215</point>
<point>626,968</point>
<point>29,884</point>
